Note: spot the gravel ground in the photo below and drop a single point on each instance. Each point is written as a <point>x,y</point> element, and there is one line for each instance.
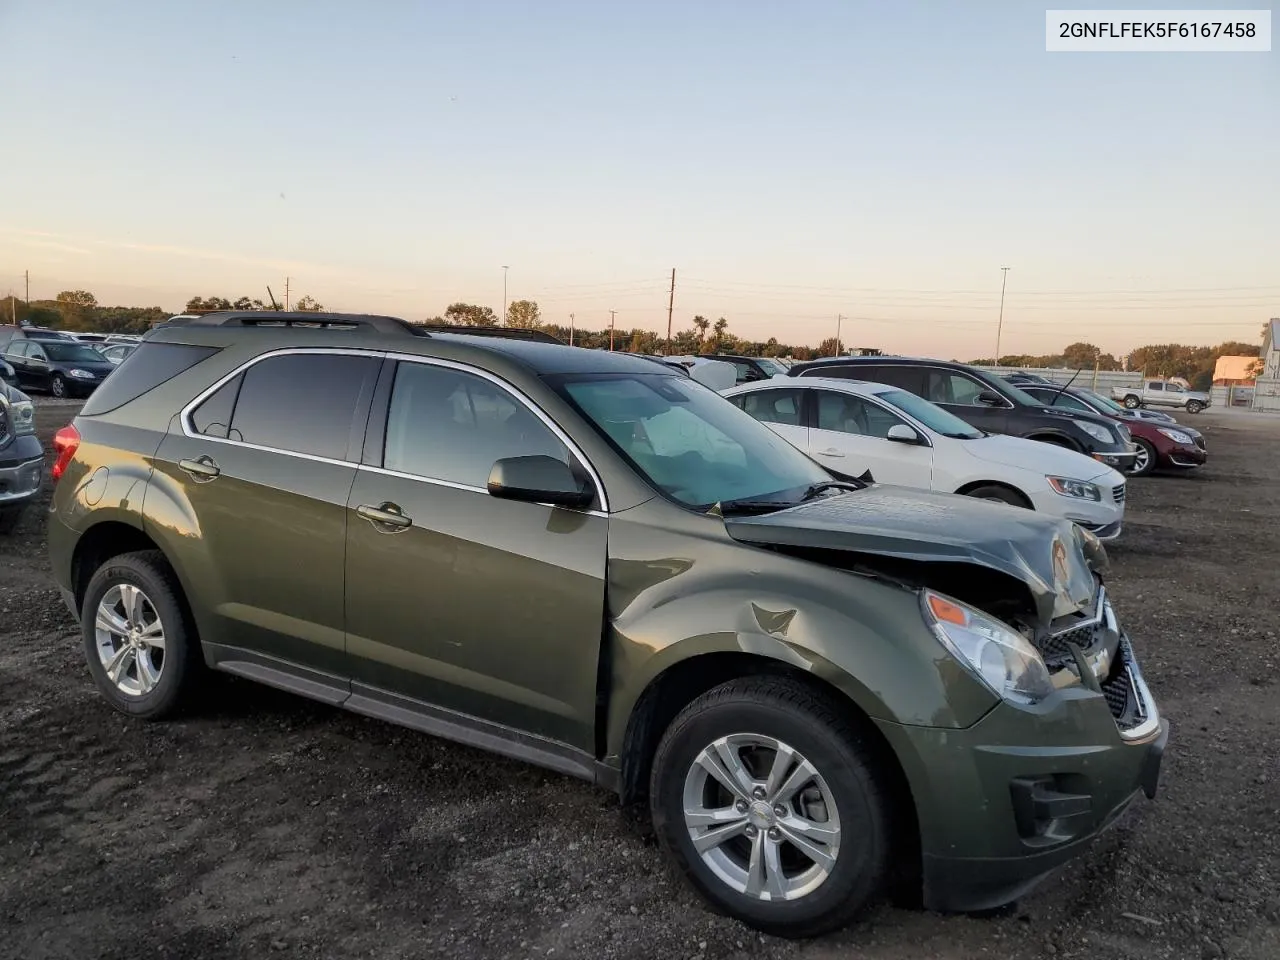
<point>268,825</point>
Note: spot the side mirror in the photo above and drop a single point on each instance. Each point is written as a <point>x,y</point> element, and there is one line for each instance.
<point>990,398</point>
<point>901,433</point>
<point>538,479</point>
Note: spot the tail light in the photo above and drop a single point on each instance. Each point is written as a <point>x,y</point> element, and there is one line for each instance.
<point>65,444</point>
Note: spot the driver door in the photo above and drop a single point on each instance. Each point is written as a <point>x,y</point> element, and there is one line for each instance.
<point>852,435</point>
<point>485,607</point>
<point>958,393</point>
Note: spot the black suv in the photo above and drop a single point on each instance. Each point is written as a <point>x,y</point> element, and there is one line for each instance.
<point>987,402</point>
<point>749,368</point>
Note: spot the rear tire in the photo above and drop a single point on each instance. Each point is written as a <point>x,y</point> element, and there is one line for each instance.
<point>801,773</point>
<point>138,639</point>
<point>1145,462</point>
<point>1132,402</point>
<point>1002,494</point>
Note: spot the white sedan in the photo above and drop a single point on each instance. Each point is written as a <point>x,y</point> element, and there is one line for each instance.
<point>850,427</point>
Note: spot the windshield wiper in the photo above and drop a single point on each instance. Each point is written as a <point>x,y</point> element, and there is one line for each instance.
<point>728,507</point>
<point>825,485</point>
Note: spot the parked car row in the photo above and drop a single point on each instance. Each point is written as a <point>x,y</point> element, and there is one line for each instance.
<point>819,686</point>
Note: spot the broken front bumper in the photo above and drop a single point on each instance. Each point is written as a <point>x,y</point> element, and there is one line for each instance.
<point>1008,800</point>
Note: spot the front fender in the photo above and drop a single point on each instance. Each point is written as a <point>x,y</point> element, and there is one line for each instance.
<point>675,595</point>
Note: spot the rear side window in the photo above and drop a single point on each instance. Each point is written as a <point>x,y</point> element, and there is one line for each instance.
<point>774,406</point>
<point>213,417</point>
<point>300,403</point>
<point>142,371</point>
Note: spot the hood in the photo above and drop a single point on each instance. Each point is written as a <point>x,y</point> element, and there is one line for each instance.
<point>1054,558</point>
<point>1033,455</point>
<point>1076,415</point>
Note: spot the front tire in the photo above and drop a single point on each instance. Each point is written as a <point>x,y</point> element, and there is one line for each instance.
<point>141,648</point>
<point>58,386</point>
<point>1131,402</point>
<point>774,806</point>
<point>1145,462</point>
<point>1194,406</point>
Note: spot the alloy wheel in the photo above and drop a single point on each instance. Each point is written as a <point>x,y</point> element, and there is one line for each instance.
<point>130,639</point>
<point>761,817</point>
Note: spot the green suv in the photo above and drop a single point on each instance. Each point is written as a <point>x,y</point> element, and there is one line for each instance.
<point>824,690</point>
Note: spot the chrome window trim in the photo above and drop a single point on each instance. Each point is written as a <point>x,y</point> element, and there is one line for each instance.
<point>527,403</point>
<point>184,417</point>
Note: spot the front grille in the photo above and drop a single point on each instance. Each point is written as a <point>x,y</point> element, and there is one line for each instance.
<point>1200,442</point>
<point>1118,493</point>
<point>1056,645</point>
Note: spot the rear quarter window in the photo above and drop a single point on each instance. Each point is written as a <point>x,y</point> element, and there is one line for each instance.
<point>142,371</point>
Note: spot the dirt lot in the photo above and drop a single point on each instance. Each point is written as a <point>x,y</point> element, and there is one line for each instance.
<point>266,824</point>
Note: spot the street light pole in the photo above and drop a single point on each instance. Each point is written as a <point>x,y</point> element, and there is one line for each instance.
<point>1004,277</point>
<point>612,314</point>
<point>505,268</point>
<point>839,321</point>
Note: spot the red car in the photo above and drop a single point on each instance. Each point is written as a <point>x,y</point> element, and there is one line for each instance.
<point>1161,445</point>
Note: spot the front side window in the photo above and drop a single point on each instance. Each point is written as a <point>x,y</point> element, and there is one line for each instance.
<point>1062,401</point>
<point>691,443</point>
<point>846,413</point>
<point>445,424</point>
<point>299,403</point>
<point>771,367</point>
<point>955,388</point>
<point>773,406</point>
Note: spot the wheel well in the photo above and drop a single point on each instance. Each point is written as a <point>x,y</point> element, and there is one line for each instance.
<point>674,689</point>
<point>98,545</point>
<point>970,487</point>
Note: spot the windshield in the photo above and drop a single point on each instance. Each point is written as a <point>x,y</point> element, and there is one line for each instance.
<point>932,416</point>
<point>71,352</point>
<point>771,366</point>
<point>1106,403</point>
<point>692,443</point>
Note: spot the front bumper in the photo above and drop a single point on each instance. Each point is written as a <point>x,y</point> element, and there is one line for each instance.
<point>1007,801</point>
<point>1122,460</point>
<point>21,472</point>
<point>1183,457</point>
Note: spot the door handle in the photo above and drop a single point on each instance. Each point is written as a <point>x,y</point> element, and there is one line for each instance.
<point>830,452</point>
<point>385,515</point>
<point>202,469</point>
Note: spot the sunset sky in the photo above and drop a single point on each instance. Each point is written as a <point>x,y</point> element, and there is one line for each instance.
<point>791,161</point>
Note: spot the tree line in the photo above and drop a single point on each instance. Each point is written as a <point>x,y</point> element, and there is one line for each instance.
<point>79,310</point>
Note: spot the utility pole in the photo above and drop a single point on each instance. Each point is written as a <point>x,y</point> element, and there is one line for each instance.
<point>612,314</point>
<point>13,308</point>
<point>286,294</point>
<point>1004,277</point>
<point>505,268</point>
<point>671,302</point>
<point>26,275</point>
<point>571,329</point>
<point>839,321</point>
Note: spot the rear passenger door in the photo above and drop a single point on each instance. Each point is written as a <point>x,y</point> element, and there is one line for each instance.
<point>472,606</point>
<point>264,462</point>
<point>958,394</point>
<point>782,409</point>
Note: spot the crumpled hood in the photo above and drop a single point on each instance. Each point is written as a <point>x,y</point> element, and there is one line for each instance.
<point>1054,558</point>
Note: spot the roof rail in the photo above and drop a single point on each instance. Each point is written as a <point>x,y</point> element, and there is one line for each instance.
<point>299,318</point>
<point>509,333</point>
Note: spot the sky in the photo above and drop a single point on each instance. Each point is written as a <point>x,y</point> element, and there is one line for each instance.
<point>792,162</point>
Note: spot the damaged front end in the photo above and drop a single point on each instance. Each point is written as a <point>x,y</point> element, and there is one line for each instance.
<point>1040,576</point>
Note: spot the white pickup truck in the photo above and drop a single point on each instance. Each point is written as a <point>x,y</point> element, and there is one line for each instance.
<point>1161,393</point>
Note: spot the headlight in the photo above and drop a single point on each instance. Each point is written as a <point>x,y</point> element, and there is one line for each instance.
<point>22,415</point>
<point>1177,436</point>
<point>1000,656</point>
<point>1097,431</point>
<point>1075,488</point>
<point>80,374</point>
